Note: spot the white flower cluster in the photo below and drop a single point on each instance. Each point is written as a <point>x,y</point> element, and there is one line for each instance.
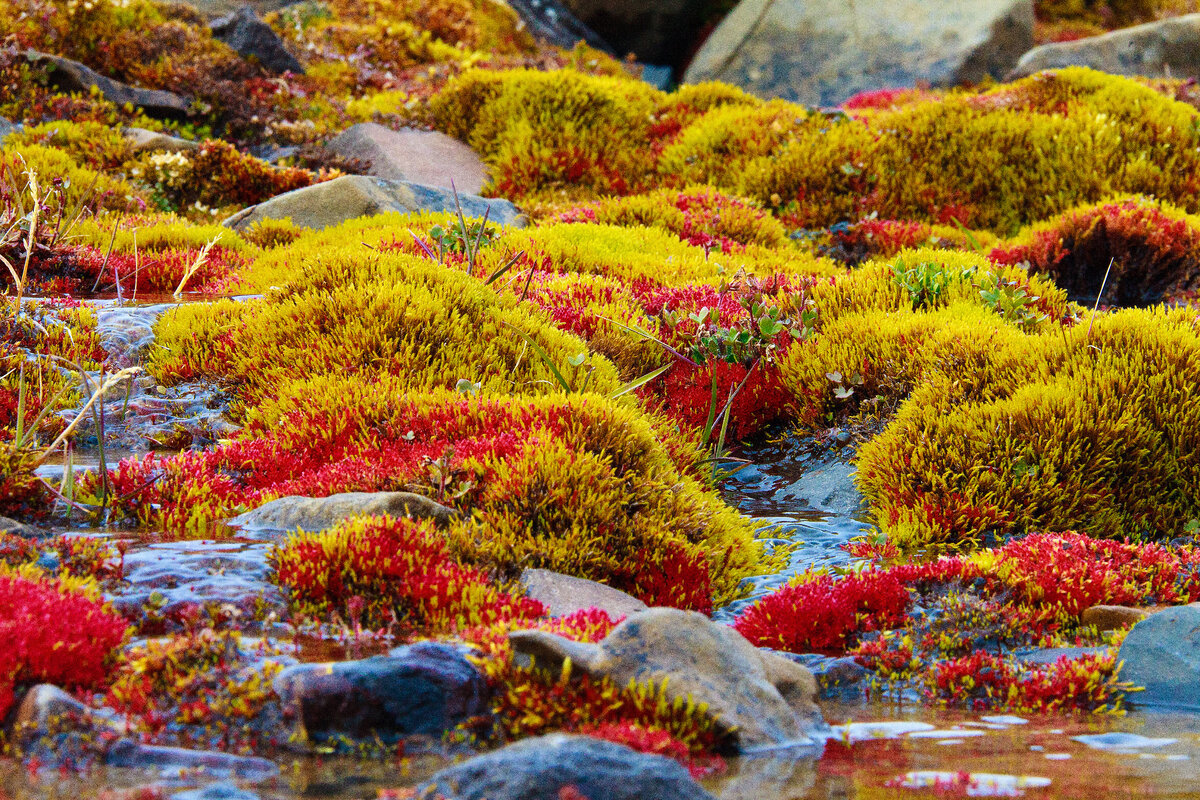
<point>170,170</point>
<point>76,7</point>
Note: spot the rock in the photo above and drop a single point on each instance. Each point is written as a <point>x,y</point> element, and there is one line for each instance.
<point>828,486</point>
<point>6,128</point>
<point>542,768</point>
<point>842,679</point>
<point>352,196</point>
<point>15,528</point>
<point>564,594</point>
<point>71,76</point>
<point>425,157</point>
<point>662,32</point>
<point>214,9</point>
<point>1049,655</point>
<point>762,699</point>
<point>420,689</point>
<point>132,755</point>
<point>292,513</point>
<point>45,708</point>
<point>141,140</point>
<point>1162,654</point>
<point>822,52</point>
<point>1111,618</point>
<point>1168,48</point>
<point>216,791</point>
<point>553,23</point>
<point>252,39</point>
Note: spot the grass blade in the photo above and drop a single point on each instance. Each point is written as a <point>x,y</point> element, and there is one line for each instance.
<point>638,383</point>
<point>652,338</point>
<point>544,356</point>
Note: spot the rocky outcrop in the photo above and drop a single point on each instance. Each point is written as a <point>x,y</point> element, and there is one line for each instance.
<point>71,76</point>
<point>822,52</point>
<point>1162,654</point>
<point>560,766</point>
<point>252,39</point>
<point>1168,48</point>
<point>429,158</point>
<point>292,513</point>
<point>760,699</point>
<point>565,594</point>
<point>352,196</point>
<point>421,689</point>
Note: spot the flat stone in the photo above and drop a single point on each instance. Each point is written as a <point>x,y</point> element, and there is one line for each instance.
<point>758,698</point>
<point>1162,654</point>
<point>430,158</point>
<point>822,52</point>
<point>565,594</point>
<point>141,140</point>
<point>323,205</point>
<point>1111,618</point>
<point>133,755</point>
<point>254,40</point>
<point>1050,655</point>
<point>71,76</point>
<point>1168,48</point>
<point>292,513</point>
<point>421,689</point>
<point>542,768</point>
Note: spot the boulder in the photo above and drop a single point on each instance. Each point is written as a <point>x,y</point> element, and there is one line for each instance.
<point>252,39</point>
<point>1162,654</point>
<point>292,513</point>
<point>71,76</point>
<point>760,699</point>
<point>1168,48</point>
<point>662,32</point>
<point>352,196</point>
<point>560,766</point>
<point>822,52</point>
<point>564,594</point>
<point>15,528</point>
<point>554,24</point>
<point>141,140</point>
<point>1111,618</point>
<point>421,689</point>
<point>426,157</point>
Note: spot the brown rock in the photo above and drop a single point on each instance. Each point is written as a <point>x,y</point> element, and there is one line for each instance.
<point>564,594</point>
<point>1111,618</point>
<point>426,157</point>
<point>1168,48</point>
<point>321,513</point>
<point>141,140</point>
<point>45,708</point>
<point>761,699</point>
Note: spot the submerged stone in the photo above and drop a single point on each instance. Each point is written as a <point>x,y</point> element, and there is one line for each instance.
<point>550,767</point>
<point>330,203</point>
<point>421,689</point>
<point>761,699</point>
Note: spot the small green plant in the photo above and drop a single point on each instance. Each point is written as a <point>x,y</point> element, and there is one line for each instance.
<point>1014,303</point>
<point>926,281</point>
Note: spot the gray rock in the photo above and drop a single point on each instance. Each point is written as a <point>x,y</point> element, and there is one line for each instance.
<point>321,513</point>
<point>540,768</point>
<point>828,486</point>
<point>842,679</point>
<point>564,594</point>
<point>47,709</point>
<point>6,128</point>
<point>252,39</point>
<point>141,140</point>
<point>216,791</point>
<point>1168,48</point>
<point>352,196</point>
<point>1162,654</point>
<point>12,526</point>
<point>822,52</point>
<point>71,76</point>
<point>1049,655</point>
<point>760,699</point>
<point>421,689</point>
<point>132,755</point>
<point>554,24</point>
<point>429,158</point>
<point>662,32</point>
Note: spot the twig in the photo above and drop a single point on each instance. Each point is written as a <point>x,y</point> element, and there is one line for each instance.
<point>1096,307</point>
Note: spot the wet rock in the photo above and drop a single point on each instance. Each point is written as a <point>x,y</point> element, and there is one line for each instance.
<point>287,514</point>
<point>132,755</point>
<point>15,528</point>
<point>352,196</point>
<point>216,791</point>
<point>762,699</point>
<point>841,679</point>
<point>662,32</point>
<point>252,39</point>
<point>564,594</point>
<point>779,777</point>
<point>421,689</point>
<point>1168,48</point>
<point>141,140</point>
<point>425,157</point>
<point>828,486</point>
<point>822,52</point>
<point>1162,654</point>
<point>71,76</point>
<point>541,768</point>
<point>553,23</point>
<point>1111,618</point>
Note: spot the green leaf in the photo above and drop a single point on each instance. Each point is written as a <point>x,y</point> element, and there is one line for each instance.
<point>638,383</point>
<point>578,359</point>
<point>545,357</point>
